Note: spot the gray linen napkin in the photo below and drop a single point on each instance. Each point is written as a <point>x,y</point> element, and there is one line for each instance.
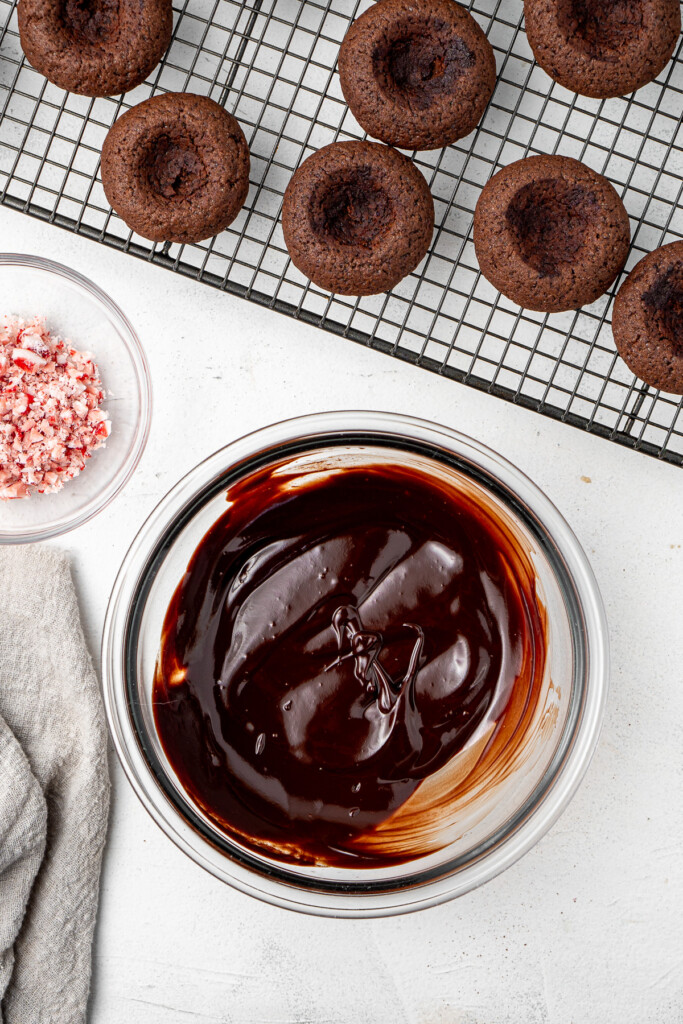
<point>54,792</point>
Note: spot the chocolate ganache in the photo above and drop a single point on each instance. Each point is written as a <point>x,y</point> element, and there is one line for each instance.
<point>337,639</point>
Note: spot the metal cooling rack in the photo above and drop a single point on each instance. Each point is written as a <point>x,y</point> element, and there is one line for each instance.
<point>272,63</point>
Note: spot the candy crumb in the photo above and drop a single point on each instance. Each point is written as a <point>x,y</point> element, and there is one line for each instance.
<point>50,416</point>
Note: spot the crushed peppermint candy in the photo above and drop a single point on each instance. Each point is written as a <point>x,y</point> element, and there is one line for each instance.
<point>50,415</point>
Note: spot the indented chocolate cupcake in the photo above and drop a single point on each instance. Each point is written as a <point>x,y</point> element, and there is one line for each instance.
<point>357,217</point>
<point>647,321</point>
<point>176,168</point>
<point>417,73</point>
<point>98,47</point>
<point>602,47</point>
<point>550,233</point>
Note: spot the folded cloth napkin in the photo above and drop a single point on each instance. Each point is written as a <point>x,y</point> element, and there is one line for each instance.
<point>54,792</point>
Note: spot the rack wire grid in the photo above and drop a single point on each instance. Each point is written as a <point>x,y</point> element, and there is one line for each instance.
<point>273,64</point>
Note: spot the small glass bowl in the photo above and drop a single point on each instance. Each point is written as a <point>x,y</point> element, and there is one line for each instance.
<point>80,312</point>
<point>502,821</point>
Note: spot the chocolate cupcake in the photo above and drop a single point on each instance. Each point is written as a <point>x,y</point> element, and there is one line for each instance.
<point>176,168</point>
<point>550,233</point>
<point>647,321</point>
<point>599,48</point>
<point>98,48</point>
<point>417,73</point>
<point>357,217</point>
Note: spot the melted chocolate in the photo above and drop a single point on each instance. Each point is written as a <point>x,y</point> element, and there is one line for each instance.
<point>336,639</point>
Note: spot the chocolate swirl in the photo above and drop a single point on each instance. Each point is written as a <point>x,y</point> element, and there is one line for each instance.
<point>338,640</point>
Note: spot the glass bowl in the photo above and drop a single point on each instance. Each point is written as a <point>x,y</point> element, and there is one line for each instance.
<point>79,311</point>
<point>499,823</point>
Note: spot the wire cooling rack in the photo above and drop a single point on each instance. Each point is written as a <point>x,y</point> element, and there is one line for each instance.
<point>273,64</point>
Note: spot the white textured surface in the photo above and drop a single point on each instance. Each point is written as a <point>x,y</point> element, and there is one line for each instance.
<point>587,928</point>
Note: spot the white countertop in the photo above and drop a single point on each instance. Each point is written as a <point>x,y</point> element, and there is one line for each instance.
<point>586,929</point>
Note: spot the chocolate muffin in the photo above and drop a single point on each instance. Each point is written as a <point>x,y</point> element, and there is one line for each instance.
<point>647,321</point>
<point>417,73</point>
<point>550,233</point>
<point>602,48</point>
<point>357,217</point>
<point>176,168</point>
<point>95,47</point>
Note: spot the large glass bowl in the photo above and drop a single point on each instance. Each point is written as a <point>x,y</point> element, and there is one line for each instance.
<point>83,314</point>
<point>497,826</point>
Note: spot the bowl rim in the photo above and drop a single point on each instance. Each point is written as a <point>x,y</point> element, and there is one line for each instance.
<point>565,776</point>
<point>68,522</point>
